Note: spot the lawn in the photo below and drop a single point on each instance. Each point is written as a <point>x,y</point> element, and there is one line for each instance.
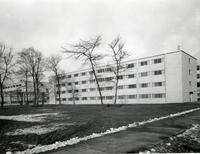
<point>51,123</point>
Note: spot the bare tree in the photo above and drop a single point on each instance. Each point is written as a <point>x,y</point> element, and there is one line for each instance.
<point>53,65</point>
<point>6,68</point>
<point>118,55</point>
<point>36,69</point>
<point>23,70</point>
<point>84,50</point>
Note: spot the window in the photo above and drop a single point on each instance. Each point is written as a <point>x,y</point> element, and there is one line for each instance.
<point>120,87</point>
<point>92,80</point>
<point>132,96</point>
<point>63,92</point>
<point>63,99</point>
<point>69,76</point>
<point>143,74</point>
<point>109,97</point>
<point>84,98</point>
<point>131,75</point>
<point>198,76</point>
<point>189,60</point>
<point>198,67</point>
<point>76,98</point>
<point>144,85</point>
<point>156,61</point>
<point>84,90</point>
<point>83,74</point>
<point>69,84</point>
<point>108,69</point>
<point>63,84</point>
<point>190,83</point>
<point>83,82</point>
<point>108,79</point>
<point>69,91</point>
<point>76,90</point>
<point>143,63</point>
<point>102,88</point>
<point>143,96</point>
<point>75,75</point>
<point>189,71</point>
<point>92,98</point>
<point>108,88</point>
<point>69,99</point>
<point>63,77</point>
<point>92,89</point>
<point>159,72</point>
<point>100,70</point>
<point>130,65</point>
<point>120,77</point>
<point>158,84</point>
<point>198,84</point>
<point>160,95</point>
<point>132,86</point>
<point>101,79</point>
<point>121,97</point>
<point>76,83</point>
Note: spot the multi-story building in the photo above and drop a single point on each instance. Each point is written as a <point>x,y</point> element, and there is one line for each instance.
<point>15,93</point>
<point>198,80</point>
<point>164,78</point>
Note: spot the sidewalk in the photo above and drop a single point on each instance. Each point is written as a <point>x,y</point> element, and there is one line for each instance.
<point>134,139</point>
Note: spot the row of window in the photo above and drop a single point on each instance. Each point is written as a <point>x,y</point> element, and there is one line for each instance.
<point>120,77</point>
<point>120,97</point>
<point>142,63</point>
<point>131,86</point>
<point>13,86</point>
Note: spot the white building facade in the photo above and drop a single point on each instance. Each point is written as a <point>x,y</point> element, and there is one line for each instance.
<point>164,78</point>
<point>15,92</point>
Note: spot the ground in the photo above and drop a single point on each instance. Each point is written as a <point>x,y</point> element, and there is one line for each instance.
<point>51,123</point>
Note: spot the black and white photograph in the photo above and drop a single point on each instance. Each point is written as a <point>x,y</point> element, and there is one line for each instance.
<point>99,76</point>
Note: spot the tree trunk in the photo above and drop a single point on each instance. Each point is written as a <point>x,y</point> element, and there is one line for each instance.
<point>34,90</point>
<point>38,91</point>
<point>26,86</point>
<point>2,96</point>
<point>43,95</point>
<point>58,82</point>
<point>97,82</point>
<point>116,90</point>
<point>21,98</point>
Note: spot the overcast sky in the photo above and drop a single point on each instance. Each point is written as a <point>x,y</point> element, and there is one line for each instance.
<point>148,27</point>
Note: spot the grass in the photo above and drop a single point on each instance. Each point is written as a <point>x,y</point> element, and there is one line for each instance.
<point>87,119</point>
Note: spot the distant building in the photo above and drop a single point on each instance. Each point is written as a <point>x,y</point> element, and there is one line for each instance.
<point>15,92</point>
<point>164,78</point>
<point>198,80</point>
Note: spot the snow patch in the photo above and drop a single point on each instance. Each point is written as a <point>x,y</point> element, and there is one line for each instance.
<point>58,144</point>
<point>29,117</point>
<point>39,129</point>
